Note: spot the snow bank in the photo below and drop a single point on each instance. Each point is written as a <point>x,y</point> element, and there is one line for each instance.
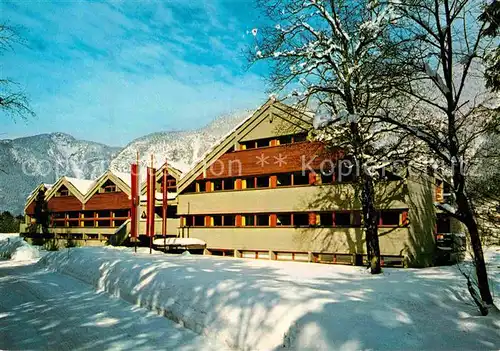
<point>14,247</point>
<point>253,304</point>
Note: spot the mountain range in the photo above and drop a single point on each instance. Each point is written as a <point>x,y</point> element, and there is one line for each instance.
<point>26,162</point>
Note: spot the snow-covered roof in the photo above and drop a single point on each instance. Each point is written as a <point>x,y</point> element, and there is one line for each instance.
<point>124,177</point>
<point>46,185</point>
<point>82,185</point>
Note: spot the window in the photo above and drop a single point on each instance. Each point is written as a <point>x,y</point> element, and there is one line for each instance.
<point>191,188</point>
<point>263,220</point>
<point>300,137</point>
<point>326,177</point>
<point>300,179</point>
<point>248,220</point>
<point>326,219</point>
<point>263,142</point>
<point>119,222</point>
<point>217,221</point>
<point>263,182</point>
<point>342,219</point>
<point>103,214</point>
<point>229,184</point>
<point>199,221</point>
<point>248,145</point>
<point>301,219</point>
<point>389,218</point>
<point>217,185</point>
<point>73,214</point>
<point>446,188</point>
<point>346,171</point>
<point>121,213</point>
<point>284,179</point>
<point>388,175</point>
<point>248,183</point>
<point>110,188</point>
<point>188,221</point>
<point>443,223</point>
<point>284,219</point>
<point>356,219</point>
<point>286,139</point>
<point>63,191</point>
<point>172,212</point>
<point>200,186</point>
<point>229,220</point>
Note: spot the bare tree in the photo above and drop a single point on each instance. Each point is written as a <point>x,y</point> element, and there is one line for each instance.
<point>448,110</point>
<point>13,101</point>
<point>333,57</point>
<point>491,17</point>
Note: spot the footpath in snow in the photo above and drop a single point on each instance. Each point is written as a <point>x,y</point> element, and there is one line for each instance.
<point>264,305</point>
<point>46,310</point>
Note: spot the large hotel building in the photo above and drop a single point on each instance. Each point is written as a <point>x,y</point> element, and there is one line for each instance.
<point>264,191</point>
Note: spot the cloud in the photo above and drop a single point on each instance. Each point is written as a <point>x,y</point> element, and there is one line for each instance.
<point>111,72</point>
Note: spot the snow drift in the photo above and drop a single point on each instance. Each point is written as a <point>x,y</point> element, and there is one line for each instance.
<point>263,305</point>
<point>14,247</point>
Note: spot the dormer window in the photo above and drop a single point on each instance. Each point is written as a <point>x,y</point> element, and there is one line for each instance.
<point>64,192</point>
<point>109,187</point>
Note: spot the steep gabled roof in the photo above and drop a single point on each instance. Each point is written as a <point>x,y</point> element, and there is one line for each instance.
<point>83,185</point>
<point>77,187</point>
<point>277,109</point>
<point>32,196</point>
<point>174,172</point>
<point>121,180</point>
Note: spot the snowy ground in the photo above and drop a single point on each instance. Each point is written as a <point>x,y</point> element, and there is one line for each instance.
<point>263,305</point>
<point>47,310</point>
<point>245,304</point>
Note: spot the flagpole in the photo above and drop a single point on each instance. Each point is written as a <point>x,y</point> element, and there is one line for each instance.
<point>137,202</point>
<point>152,192</point>
<point>165,204</point>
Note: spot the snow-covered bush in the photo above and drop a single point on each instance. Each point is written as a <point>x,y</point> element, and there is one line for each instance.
<point>16,249</point>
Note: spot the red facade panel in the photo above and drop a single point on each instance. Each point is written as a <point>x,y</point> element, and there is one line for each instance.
<point>64,204</point>
<point>271,160</point>
<point>108,201</point>
<point>30,210</point>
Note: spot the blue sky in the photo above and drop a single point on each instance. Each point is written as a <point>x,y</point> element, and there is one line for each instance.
<point>114,71</point>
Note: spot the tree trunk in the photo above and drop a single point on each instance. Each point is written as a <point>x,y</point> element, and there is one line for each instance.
<point>370,219</point>
<point>475,240</point>
<point>467,217</point>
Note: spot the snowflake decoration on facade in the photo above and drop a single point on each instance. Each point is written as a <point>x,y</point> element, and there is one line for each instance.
<point>280,160</point>
<point>262,160</point>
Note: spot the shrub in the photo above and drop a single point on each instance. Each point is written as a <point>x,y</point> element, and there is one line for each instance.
<point>51,245</point>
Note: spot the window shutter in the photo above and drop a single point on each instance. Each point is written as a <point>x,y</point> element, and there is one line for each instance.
<point>273,219</point>
<point>404,218</point>
<point>312,218</point>
<point>312,178</point>
<point>274,181</point>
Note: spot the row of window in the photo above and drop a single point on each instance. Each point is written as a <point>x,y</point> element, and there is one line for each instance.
<point>268,181</point>
<point>90,214</point>
<point>282,140</point>
<point>391,218</point>
<point>87,223</point>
